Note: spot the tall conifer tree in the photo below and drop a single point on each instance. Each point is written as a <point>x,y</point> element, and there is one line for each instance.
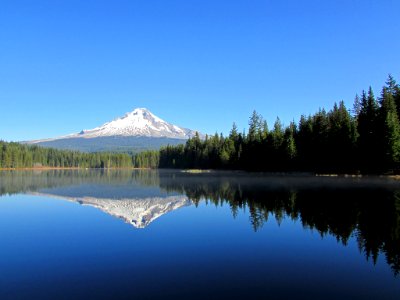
<point>391,128</point>
<point>368,140</point>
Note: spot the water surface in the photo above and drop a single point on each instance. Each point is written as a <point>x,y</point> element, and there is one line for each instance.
<point>166,234</point>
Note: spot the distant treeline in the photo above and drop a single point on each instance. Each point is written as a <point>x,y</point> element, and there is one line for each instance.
<point>365,140</point>
<point>15,155</point>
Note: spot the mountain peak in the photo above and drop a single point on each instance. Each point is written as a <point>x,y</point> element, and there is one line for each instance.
<point>143,113</point>
<point>139,111</point>
<point>135,131</point>
<point>138,123</point>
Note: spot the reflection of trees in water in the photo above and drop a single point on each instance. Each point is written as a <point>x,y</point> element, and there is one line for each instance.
<point>14,182</point>
<point>372,215</point>
<point>370,211</point>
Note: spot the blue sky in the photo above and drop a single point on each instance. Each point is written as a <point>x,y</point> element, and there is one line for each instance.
<point>72,65</point>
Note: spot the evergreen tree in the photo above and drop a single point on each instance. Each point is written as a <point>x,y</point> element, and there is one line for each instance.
<point>391,85</point>
<point>277,135</point>
<point>304,142</point>
<point>336,141</point>
<point>290,145</point>
<point>356,106</point>
<point>341,139</point>
<point>391,128</point>
<point>233,134</point>
<point>368,141</point>
<point>264,131</point>
<point>393,89</point>
<point>320,131</point>
<point>255,124</point>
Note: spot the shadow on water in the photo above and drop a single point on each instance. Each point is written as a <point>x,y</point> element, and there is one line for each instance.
<point>365,208</point>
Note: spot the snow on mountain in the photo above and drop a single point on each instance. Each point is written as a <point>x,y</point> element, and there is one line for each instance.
<point>138,123</point>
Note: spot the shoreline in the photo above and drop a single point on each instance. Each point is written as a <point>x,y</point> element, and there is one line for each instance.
<point>68,168</point>
<point>201,171</point>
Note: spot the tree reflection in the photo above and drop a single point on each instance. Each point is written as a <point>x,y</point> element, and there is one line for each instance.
<point>16,182</point>
<point>339,207</point>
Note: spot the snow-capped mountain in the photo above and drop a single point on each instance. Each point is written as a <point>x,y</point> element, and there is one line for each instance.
<point>139,122</point>
<point>139,128</point>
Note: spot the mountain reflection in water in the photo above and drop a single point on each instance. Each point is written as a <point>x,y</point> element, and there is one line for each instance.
<point>139,212</point>
<point>365,208</point>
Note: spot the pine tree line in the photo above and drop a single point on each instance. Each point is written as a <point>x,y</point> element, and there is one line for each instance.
<point>15,155</point>
<point>366,140</point>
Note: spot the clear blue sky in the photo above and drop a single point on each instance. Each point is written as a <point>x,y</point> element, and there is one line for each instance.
<point>72,65</point>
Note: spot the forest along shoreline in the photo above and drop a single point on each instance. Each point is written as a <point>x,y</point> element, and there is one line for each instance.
<point>364,140</point>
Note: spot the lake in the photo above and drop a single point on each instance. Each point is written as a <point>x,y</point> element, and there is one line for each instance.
<point>123,234</point>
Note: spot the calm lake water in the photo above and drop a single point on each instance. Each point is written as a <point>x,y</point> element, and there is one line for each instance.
<point>173,235</point>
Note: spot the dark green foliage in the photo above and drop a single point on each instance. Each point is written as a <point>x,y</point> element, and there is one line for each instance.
<point>327,142</point>
<point>368,140</point>
<point>304,143</point>
<point>147,159</point>
<point>324,142</point>
<point>389,125</point>
<point>320,126</point>
<point>289,143</point>
<point>341,140</point>
<point>256,125</point>
<point>15,155</point>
